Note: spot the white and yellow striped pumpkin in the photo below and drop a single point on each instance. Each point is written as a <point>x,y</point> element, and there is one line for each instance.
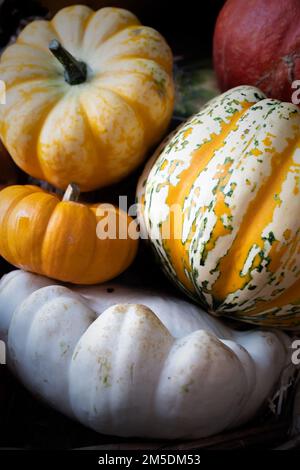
<point>233,170</point>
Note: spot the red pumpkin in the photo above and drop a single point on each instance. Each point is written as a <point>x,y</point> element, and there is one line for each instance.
<point>257,42</point>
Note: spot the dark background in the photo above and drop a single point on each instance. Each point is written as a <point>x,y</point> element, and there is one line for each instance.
<point>187,25</point>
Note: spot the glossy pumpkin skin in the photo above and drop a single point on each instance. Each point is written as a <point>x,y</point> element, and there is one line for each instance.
<point>58,239</point>
<point>233,170</point>
<point>97,132</point>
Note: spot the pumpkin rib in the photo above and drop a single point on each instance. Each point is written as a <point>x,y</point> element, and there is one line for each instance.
<point>29,39</point>
<point>53,270</point>
<point>45,268</point>
<point>127,330</point>
<point>143,109</point>
<point>138,57</point>
<point>41,126</point>
<point>115,33</point>
<point>29,246</point>
<point>73,17</point>
<point>252,211</point>
<point>261,304</point>
<point>26,81</point>
<point>128,102</point>
<point>37,47</point>
<point>109,74</point>
<point>163,91</point>
<point>5,250</point>
<point>144,72</point>
<point>50,171</point>
<point>280,301</point>
<point>85,24</point>
<point>16,230</point>
<point>40,271</point>
<point>110,35</point>
<point>94,136</point>
<point>37,68</point>
<point>166,64</point>
<point>34,135</point>
<point>92,254</point>
<point>57,34</point>
<point>113,69</point>
<point>32,80</point>
<point>9,54</point>
<point>21,193</point>
<point>134,146</point>
<point>113,246</point>
<point>138,111</point>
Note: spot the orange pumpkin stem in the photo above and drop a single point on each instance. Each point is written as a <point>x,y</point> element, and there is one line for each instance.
<point>72,193</point>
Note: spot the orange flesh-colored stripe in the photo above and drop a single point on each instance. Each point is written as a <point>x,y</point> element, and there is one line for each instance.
<point>221,209</point>
<point>289,297</point>
<point>258,215</point>
<point>177,250</point>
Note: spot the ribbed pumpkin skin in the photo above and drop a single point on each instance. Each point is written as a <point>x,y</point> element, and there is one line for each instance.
<point>234,171</point>
<point>58,239</point>
<point>99,131</point>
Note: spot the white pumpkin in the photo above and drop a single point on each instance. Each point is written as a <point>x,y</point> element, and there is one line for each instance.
<point>122,369</point>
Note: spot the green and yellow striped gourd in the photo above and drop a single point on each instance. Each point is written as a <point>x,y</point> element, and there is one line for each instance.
<point>220,202</point>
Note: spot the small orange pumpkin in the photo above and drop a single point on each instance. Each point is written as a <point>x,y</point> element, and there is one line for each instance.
<point>60,239</point>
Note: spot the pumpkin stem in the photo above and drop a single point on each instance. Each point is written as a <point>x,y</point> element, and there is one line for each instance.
<point>75,71</point>
<point>72,193</point>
